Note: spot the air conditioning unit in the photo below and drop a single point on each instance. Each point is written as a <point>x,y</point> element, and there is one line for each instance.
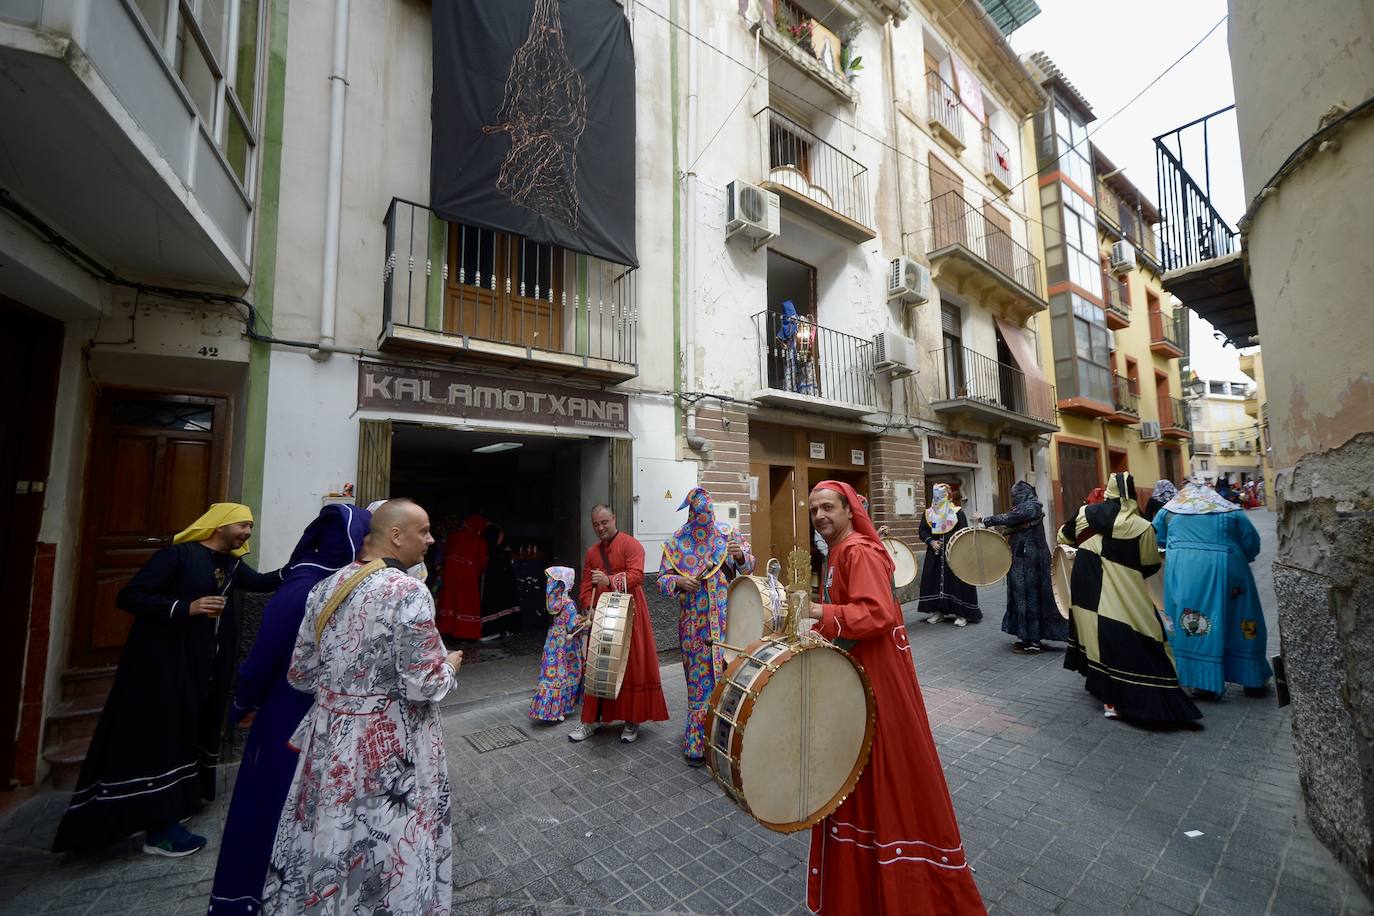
<point>1149,431</point>
<point>895,352</point>
<point>1123,256</point>
<point>908,281</point>
<point>752,212</point>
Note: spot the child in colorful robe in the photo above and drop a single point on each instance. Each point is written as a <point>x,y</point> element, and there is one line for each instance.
<point>560,671</point>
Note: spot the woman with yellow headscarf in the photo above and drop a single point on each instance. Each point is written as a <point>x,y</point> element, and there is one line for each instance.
<point>152,760</point>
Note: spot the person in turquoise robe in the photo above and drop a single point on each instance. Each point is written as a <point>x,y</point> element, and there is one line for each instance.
<point>1218,633</point>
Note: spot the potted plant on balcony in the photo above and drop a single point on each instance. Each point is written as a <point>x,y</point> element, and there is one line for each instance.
<point>800,32</point>
<point>849,63</point>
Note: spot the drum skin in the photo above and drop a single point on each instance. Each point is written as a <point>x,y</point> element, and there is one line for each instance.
<point>748,612</point>
<point>608,650</point>
<point>1061,575</point>
<point>978,556</point>
<point>790,730</point>
<point>904,561</point>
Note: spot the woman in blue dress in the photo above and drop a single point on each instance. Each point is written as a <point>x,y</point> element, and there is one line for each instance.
<point>1218,633</point>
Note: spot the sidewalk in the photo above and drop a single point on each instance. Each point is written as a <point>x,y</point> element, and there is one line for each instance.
<point>1062,811</point>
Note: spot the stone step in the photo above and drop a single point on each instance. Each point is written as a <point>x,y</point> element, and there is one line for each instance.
<point>65,762</point>
<point>87,682</point>
<point>73,720</point>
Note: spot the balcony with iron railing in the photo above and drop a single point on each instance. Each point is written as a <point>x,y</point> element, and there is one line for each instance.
<point>1116,292</point>
<point>804,56</point>
<point>498,299</point>
<point>1174,419</point>
<point>945,113</point>
<point>965,247</point>
<point>997,161</point>
<point>1166,337</point>
<point>1125,399</point>
<point>814,179</point>
<point>803,365</point>
<point>980,388</point>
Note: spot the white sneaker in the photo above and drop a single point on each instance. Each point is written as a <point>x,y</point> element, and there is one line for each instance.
<point>960,622</point>
<point>629,733</point>
<point>584,731</point>
<point>933,618</point>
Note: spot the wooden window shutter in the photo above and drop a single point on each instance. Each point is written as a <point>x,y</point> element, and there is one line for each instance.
<point>374,461</point>
<point>622,484</point>
<point>950,321</point>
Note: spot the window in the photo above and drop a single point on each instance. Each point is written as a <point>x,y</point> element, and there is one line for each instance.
<point>216,53</point>
<point>1202,464</point>
<point>1216,387</point>
<point>1133,375</point>
<point>951,331</point>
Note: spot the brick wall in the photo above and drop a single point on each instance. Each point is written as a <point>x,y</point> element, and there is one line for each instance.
<point>892,458</point>
<point>726,475</point>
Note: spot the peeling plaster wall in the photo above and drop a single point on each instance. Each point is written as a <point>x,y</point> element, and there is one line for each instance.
<point>1307,252</point>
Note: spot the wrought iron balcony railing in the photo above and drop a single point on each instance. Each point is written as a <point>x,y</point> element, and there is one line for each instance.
<point>944,105</point>
<point>953,221</point>
<point>996,157</point>
<point>464,283</point>
<point>799,161</point>
<point>1164,329</point>
<point>1191,230</point>
<point>1124,399</point>
<point>798,356</point>
<point>1117,293</point>
<point>969,374</point>
<point>1173,414</point>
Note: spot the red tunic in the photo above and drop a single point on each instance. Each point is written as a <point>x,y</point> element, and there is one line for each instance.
<point>459,608</point>
<point>893,846</point>
<point>641,693</point>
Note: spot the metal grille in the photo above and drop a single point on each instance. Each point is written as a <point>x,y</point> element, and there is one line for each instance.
<point>491,739</point>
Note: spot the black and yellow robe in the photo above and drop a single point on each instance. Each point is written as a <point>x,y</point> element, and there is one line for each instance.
<point>1116,639</point>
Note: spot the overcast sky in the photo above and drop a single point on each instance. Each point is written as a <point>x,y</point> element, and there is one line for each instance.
<point>1110,50</point>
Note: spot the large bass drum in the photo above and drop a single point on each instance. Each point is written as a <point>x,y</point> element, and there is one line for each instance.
<point>1061,576</point>
<point>810,714</point>
<point>608,651</point>
<point>903,560</point>
<point>751,607</point>
<point>978,556</point>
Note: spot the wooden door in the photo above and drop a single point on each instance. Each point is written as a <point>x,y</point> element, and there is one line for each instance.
<point>1169,464</point>
<point>997,246</point>
<point>948,210</point>
<point>784,533</point>
<point>1006,478</point>
<point>1078,476</point>
<point>374,461</point>
<point>504,288</point>
<point>30,355</point>
<point>156,463</point>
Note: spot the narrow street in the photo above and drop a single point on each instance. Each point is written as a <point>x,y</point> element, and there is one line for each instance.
<point>1062,811</point>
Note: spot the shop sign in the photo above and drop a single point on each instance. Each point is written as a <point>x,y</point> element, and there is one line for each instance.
<point>950,450</point>
<point>818,451</point>
<point>446,393</point>
<point>856,456</point>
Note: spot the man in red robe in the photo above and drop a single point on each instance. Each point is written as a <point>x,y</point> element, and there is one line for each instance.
<point>459,612</point>
<point>893,846</point>
<point>641,693</point>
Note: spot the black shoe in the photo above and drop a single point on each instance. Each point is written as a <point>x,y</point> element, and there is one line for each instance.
<point>1261,691</point>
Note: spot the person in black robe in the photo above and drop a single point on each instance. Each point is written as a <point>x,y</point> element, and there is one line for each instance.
<point>152,759</point>
<point>944,596</point>
<point>1031,612</point>
<point>500,599</point>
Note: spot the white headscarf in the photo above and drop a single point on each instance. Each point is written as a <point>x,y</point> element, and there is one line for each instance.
<point>1197,498</point>
<point>941,514</point>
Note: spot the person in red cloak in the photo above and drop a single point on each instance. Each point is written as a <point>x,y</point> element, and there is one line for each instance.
<point>459,608</point>
<point>641,693</point>
<point>893,846</point>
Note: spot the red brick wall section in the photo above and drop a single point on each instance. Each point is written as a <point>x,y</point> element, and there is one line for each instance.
<point>35,666</point>
<point>726,475</point>
<point>896,458</point>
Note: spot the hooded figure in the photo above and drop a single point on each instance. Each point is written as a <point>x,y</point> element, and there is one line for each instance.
<point>1031,613</point>
<point>699,561</point>
<point>1163,492</point>
<point>331,542</point>
<point>153,757</point>
<point>1116,638</point>
<point>460,595</point>
<point>1218,633</point>
<point>560,670</point>
<point>944,596</point>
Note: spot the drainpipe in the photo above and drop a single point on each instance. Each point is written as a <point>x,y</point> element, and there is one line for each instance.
<point>694,441</point>
<point>338,86</point>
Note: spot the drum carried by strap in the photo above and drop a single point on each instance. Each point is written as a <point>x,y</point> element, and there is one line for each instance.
<point>1061,577</point>
<point>753,609</point>
<point>903,560</point>
<point>978,556</point>
<point>608,650</point>
<point>810,716</point>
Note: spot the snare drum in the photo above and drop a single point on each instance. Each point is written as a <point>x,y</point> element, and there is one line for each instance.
<point>978,556</point>
<point>751,606</point>
<point>608,650</point>
<point>810,714</point>
<point>903,560</point>
<point>1061,576</point>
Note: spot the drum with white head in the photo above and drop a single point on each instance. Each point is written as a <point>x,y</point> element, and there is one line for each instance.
<point>1061,577</point>
<point>608,650</point>
<point>903,560</point>
<point>978,556</point>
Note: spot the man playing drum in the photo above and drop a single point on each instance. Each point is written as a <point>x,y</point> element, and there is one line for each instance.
<point>641,693</point>
<point>893,846</point>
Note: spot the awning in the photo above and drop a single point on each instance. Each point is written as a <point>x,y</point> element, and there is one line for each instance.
<point>1020,349</point>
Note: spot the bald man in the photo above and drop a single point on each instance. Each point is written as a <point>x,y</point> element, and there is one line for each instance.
<point>372,789</point>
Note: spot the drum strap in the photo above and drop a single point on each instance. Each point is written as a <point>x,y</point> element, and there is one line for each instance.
<point>342,592</point>
<point>840,641</point>
<point>703,577</point>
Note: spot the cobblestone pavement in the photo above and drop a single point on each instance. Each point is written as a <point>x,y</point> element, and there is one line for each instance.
<point>1062,811</point>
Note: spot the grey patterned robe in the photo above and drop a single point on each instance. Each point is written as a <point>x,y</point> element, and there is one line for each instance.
<point>1031,613</point>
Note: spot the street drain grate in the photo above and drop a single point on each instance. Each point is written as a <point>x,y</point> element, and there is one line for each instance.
<point>490,739</point>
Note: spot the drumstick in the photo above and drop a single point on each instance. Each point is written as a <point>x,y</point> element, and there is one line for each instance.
<point>742,650</point>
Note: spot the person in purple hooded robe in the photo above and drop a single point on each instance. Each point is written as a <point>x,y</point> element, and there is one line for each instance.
<point>274,708</point>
